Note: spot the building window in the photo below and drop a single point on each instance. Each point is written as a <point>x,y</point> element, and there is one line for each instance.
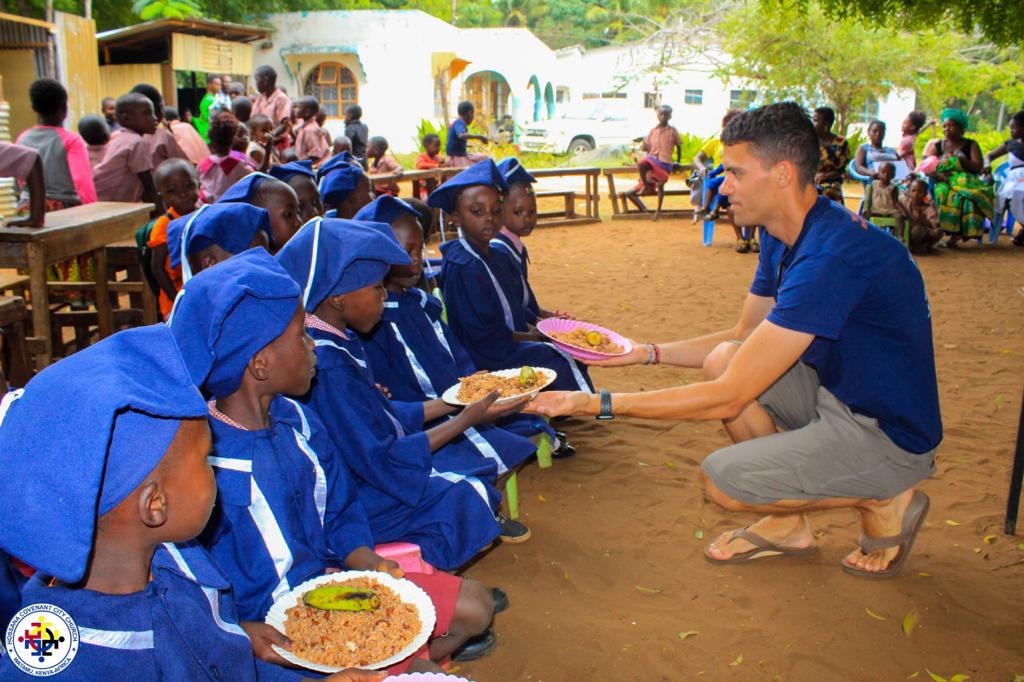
<point>335,86</point>
<point>652,100</point>
<point>694,97</point>
<point>741,99</point>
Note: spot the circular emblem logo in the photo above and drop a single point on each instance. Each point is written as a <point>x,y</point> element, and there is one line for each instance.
<point>42,640</point>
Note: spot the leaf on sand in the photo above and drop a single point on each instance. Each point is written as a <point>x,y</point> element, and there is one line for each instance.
<point>671,464</point>
<point>912,675</point>
<point>924,575</point>
<point>949,346</point>
<point>699,534</point>
<point>989,539</point>
<point>541,498</point>
<point>739,659</point>
<point>910,622</point>
<point>951,522</point>
<point>935,678</point>
<point>1021,546</point>
<point>687,634</point>
<point>874,615</point>
<point>648,590</point>
<point>959,677</point>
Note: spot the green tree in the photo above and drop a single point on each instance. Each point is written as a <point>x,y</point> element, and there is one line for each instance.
<point>166,9</point>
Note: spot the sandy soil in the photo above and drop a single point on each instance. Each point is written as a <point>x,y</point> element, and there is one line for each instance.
<point>614,571</point>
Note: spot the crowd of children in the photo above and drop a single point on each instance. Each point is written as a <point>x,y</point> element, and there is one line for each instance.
<point>284,420</point>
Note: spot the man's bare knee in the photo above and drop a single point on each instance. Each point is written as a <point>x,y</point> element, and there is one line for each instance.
<point>718,360</point>
<point>718,497</point>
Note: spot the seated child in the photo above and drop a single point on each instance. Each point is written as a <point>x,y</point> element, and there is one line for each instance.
<point>656,166</point>
<point>482,288</point>
<point>162,143</point>
<point>286,508</point>
<point>412,352</point>
<point>214,233</point>
<point>309,138</point>
<point>187,137</point>
<point>178,185</point>
<point>431,157</point>
<point>126,172</point>
<point>148,603</point>
<point>922,219</point>
<point>913,126</point>
<point>66,168</point>
<point>280,200</point>
<point>300,177</point>
<point>224,167</point>
<point>408,494</point>
<point>381,164</point>
<point>344,189</point>
<point>94,130</point>
<point>519,218</point>
<point>882,198</point>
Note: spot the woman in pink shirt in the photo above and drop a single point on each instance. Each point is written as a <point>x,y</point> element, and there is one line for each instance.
<point>189,139</point>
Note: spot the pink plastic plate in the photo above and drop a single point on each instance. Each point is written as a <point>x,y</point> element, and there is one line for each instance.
<point>424,677</point>
<point>559,326</point>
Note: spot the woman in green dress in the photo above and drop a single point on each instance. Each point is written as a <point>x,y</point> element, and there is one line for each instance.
<point>963,199</point>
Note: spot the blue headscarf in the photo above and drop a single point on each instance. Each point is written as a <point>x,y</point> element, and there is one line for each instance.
<point>287,171</point>
<point>230,226</point>
<point>386,209</point>
<point>482,173</point>
<point>330,256</point>
<point>514,172</point>
<point>87,431</point>
<point>226,314</point>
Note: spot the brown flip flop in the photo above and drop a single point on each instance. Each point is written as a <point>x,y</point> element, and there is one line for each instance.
<point>763,548</point>
<point>913,519</point>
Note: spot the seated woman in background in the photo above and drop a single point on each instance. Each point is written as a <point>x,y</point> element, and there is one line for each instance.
<point>872,154</point>
<point>835,155</point>
<point>963,199</point>
<point>1013,181</point>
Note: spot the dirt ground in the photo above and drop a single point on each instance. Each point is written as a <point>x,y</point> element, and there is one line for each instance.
<point>614,572</point>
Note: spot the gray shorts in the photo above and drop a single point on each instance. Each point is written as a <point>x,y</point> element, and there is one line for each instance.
<point>826,451</point>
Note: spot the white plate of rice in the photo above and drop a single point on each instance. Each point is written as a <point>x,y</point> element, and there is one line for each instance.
<point>505,381</point>
<point>329,641</point>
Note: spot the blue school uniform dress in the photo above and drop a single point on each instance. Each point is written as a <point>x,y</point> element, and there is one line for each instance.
<point>503,243</point>
<point>125,398</point>
<point>406,493</point>
<point>860,293</point>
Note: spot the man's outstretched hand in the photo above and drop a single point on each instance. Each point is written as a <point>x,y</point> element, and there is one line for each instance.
<point>636,356</point>
<point>559,403</point>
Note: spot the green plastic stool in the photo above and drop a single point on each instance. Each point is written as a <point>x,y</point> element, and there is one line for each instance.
<point>512,495</point>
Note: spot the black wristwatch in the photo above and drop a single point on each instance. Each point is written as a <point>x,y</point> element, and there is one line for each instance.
<point>606,406</point>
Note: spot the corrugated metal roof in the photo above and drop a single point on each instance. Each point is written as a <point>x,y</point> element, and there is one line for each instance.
<point>148,30</point>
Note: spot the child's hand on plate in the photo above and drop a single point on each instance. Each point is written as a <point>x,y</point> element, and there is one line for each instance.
<point>559,403</point>
<point>262,636</point>
<point>354,675</point>
<point>390,567</point>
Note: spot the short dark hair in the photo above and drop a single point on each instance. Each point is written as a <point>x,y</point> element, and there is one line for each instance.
<point>48,97</point>
<point>129,102</point>
<point>887,164</point>
<point>826,114</point>
<point>309,102</point>
<point>151,92</point>
<point>377,141</point>
<point>425,217</point>
<point>877,122</point>
<point>1018,118</point>
<point>778,132</point>
<point>94,129</point>
<point>171,114</point>
<point>104,101</point>
<point>730,115</point>
<point>355,111</point>
<point>173,165</point>
<point>465,108</point>
<point>260,121</point>
<point>665,107</point>
<point>236,87</point>
<point>223,129</point>
<point>242,104</point>
<point>266,71</point>
<point>210,77</point>
<point>431,138</point>
<point>917,119</point>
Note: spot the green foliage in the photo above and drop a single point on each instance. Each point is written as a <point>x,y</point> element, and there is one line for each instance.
<point>165,9</point>
<point>426,127</point>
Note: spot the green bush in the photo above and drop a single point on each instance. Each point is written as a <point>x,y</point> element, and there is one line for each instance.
<point>426,127</point>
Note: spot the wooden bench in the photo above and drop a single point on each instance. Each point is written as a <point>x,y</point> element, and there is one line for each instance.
<point>13,315</point>
<point>570,204</point>
<point>622,207</point>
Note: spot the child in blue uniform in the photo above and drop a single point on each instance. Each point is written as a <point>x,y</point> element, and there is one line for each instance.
<point>482,288</point>
<point>518,220</point>
<point>412,352</point>
<point>344,189</point>
<point>287,509</point>
<point>214,233</point>
<point>409,495</point>
<point>147,604</point>
<point>300,177</point>
<point>280,200</point>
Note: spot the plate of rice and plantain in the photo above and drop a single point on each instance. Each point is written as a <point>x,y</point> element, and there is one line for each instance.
<point>511,385</point>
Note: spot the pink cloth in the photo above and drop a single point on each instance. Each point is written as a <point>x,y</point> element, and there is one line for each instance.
<point>310,143</point>
<point>16,160</point>
<point>514,238</point>
<point>905,149</point>
<point>117,176</point>
<point>217,173</point>
<point>661,141</point>
<point>190,141</point>
<point>277,107</point>
<point>96,154</point>
<point>77,159</point>
<point>385,164</point>
<point>163,145</point>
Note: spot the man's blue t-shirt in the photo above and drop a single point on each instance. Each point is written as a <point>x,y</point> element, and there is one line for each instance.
<point>862,296</point>
<point>456,146</point>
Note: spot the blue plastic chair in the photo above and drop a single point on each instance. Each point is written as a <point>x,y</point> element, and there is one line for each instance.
<point>709,223</point>
<point>1000,221</point>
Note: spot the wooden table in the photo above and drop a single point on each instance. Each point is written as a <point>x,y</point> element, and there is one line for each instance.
<point>69,232</point>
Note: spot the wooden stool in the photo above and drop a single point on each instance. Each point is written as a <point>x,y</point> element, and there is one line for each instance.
<point>13,315</point>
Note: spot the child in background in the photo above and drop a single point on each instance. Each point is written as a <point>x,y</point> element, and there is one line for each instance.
<point>882,198</point>
<point>213,234</point>
<point>486,318</point>
<point>356,131</point>
<point>109,108</point>
<point>185,135</point>
<point>178,185</point>
<point>241,107</point>
<point>459,135</point>
<point>280,200</point>
<point>260,142</point>
<point>381,164</point>
<point>408,494</point>
<point>300,177</point>
<point>321,119</point>
<point>922,218</point>
<point>656,166</point>
<point>162,143</point>
<point>96,134</point>
<point>430,157</point>
<point>149,603</point>
<point>344,189</point>
<point>224,167</point>
<point>126,172</point>
<point>240,328</point>
<point>69,180</point>
<point>913,126</point>
<point>309,138</point>
<point>342,145</point>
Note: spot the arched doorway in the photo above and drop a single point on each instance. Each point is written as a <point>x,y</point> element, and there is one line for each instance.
<point>490,93</point>
<point>334,85</point>
<point>534,87</point>
<point>549,100</point>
